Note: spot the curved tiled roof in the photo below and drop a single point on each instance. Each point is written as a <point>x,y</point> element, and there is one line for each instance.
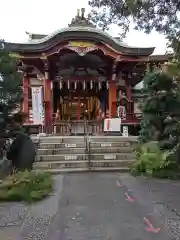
<point>75,33</point>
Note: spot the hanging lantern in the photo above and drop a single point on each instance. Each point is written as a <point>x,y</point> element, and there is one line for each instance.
<point>129,75</point>
<point>99,85</point>
<point>107,85</point>
<point>84,85</point>
<point>68,84</point>
<point>51,85</point>
<point>91,84</point>
<point>75,85</point>
<point>60,84</point>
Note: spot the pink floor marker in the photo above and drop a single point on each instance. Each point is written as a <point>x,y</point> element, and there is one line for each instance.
<point>150,227</point>
<point>128,198</point>
<point>118,183</point>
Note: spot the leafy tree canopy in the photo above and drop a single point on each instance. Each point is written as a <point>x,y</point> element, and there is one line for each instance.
<point>10,88</point>
<point>162,16</point>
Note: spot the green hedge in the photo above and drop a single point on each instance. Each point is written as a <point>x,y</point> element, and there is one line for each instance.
<point>26,186</point>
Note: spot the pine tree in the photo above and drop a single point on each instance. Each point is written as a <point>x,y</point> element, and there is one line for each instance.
<point>161,110</point>
<point>10,88</point>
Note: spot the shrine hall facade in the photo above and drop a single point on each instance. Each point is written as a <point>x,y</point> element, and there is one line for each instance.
<point>84,73</point>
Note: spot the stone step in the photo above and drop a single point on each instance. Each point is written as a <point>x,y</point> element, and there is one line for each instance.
<point>56,151</point>
<point>69,157</point>
<point>80,139</point>
<point>109,144</point>
<point>83,145</point>
<point>131,139</point>
<point>61,145</point>
<point>60,139</point>
<point>111,150</point>
<point>83,170</point>
<point>82,164</point>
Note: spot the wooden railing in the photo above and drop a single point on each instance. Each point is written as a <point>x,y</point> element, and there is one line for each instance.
<point>77,127</point>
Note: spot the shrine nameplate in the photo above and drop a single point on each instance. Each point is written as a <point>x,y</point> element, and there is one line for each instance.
<point>106,145</point>
<point>109,157</point>
<point>71,157</point>
<point>68,145</point>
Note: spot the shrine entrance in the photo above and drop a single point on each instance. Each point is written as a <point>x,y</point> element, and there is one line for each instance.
<point>77,105</point>
<point>79,108</point>
<point>76,108</point>
<point>80,76</point>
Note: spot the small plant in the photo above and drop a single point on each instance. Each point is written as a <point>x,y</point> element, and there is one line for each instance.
<point>27,186</point>
<point>150,159</point>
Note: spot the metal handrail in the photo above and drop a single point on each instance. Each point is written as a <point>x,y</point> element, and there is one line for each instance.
<point>87,142</point>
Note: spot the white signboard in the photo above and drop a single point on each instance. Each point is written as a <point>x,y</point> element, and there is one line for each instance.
<point>112,125</point>
<point>37,105</point>
<point>109,156</point>
<point>72,157</point>
<point>68,145</point>
<point>106,144</point>
<point>125,131</point>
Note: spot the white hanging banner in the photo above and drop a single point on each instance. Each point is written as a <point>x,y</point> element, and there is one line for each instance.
<point>37,105</point>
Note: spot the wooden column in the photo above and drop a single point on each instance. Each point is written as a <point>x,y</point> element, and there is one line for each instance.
<point>112,90</point>
<point>47,99</point>
<point>79,109</point>
<point>25,105</point>
<point>112,98</point>
<point>129,99</point>
<point>148,68</point>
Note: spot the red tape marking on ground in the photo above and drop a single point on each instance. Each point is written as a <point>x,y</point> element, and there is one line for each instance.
<point>128,198</point>
<point>150,227</point>
<point>118,183</point>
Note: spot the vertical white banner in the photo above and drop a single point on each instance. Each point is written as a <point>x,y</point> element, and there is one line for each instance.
<point>37,105</point>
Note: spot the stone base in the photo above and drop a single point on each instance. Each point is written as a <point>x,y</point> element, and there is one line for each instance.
<point>112,133</point>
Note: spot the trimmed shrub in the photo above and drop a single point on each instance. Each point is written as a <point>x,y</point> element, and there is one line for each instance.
<point>150,159</point>
<point>27,186</point>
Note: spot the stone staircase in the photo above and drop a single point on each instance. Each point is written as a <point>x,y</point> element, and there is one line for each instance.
<point>71,154</point>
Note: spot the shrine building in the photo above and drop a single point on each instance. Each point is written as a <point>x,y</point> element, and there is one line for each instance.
<point>84,73</point>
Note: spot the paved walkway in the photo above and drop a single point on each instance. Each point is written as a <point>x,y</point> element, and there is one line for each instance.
<point>98,206</point>
<point>111,206</point>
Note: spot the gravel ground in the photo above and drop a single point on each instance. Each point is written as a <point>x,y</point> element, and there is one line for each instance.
<point>22,222</point>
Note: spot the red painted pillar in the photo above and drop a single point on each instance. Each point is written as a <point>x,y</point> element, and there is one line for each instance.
<point>47,103</point>
<point>25,105</point>
<point>112,98</point>
<point>112,90</point>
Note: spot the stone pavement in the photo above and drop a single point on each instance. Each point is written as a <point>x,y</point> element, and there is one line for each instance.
<point>98,206</point>
<point>112,206</point>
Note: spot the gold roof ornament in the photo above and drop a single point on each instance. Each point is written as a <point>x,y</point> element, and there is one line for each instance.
<point>80,19</point>
<point>82,12</point>
<point>78,12</point>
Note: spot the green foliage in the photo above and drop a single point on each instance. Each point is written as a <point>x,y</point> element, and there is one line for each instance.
<point>161,110</point>
<point>162,16</point>
<point>161,122</point>
<point>147,15</point>
<point>150,159</point>
<point>26,186</point>
<point>10,85</point>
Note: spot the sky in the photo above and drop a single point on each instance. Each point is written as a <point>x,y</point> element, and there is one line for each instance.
<point>46,16</point>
